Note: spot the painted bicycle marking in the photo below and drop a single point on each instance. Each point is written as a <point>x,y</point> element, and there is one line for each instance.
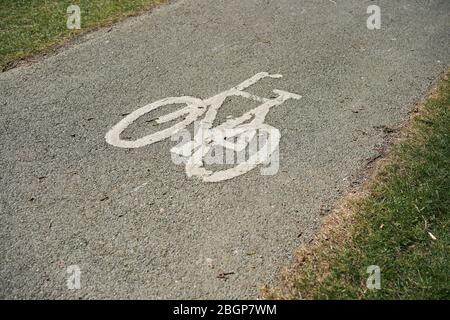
<point>244,128</point>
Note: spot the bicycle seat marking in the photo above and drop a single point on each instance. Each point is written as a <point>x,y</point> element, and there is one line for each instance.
<point>235,134</point>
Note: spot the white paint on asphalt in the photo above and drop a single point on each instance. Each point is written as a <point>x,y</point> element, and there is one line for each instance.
<point>244,128</point>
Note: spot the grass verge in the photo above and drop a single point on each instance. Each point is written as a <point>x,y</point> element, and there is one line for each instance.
<point>28,27</point>
<point>399,221</point>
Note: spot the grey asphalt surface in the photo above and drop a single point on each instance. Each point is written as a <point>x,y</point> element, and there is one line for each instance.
<point>132,221</point>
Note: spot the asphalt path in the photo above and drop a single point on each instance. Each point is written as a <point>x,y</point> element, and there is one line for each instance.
<point>130,218</point>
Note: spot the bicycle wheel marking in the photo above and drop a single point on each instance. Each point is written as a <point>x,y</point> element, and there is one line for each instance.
<point>244,128</point>
<point>193,109</point>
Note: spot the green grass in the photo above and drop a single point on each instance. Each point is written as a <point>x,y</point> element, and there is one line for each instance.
<point>389,225</point>
<point>32,26</point>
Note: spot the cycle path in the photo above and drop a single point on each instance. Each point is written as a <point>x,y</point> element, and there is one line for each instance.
<point>131,219</point>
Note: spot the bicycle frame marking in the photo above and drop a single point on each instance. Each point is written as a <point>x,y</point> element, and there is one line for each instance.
<point>195,150</point>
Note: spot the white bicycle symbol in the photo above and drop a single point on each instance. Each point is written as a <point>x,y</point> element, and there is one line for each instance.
<point>243,127</point>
